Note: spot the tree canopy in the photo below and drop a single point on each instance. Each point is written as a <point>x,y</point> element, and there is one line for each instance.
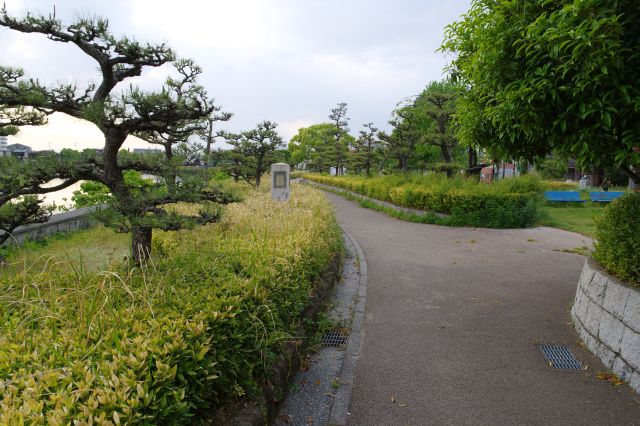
<point>315,147</point>
<point>118,114</point>
<point>550,75</point>
<point>253,152</point>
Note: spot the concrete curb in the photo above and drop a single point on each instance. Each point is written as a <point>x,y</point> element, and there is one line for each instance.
<point>288,362</point>
<point>340,408</point>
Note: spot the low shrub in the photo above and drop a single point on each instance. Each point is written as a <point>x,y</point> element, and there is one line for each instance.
<point>560,186</point>
<point>618,238</point>
<point>197,328</point>
<point>508,203</point>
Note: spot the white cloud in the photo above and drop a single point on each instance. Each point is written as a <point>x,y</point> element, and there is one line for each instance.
<point>287,60</point>
<point>287,129</point>
<point>219,23</point>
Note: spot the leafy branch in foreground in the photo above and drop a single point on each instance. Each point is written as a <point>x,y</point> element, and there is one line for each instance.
<point>117,115</point>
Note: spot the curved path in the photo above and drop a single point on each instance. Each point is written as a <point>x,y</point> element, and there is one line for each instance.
<point>452,320</point>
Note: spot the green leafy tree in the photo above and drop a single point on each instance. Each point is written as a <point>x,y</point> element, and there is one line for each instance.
<point>93,193</point>
<point>402,141</point>
<point>337,150</point>
<point>307,146</point>
<point>253,152</point>
<point>550,75</point>
<point>228,162</point>
<point>117,115</point>
<point>437,102</point>
<point>366,149</point>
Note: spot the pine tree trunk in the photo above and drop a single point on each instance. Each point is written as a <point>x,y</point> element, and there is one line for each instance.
<point>259,171</point>
<point>446,156</point>
<point>140,244</point>
<point>405,164</point>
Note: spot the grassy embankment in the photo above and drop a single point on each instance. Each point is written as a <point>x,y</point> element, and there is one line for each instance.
<point>88,250</point>
<point>194,330</point>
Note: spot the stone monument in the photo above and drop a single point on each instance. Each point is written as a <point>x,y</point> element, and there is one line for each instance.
<point>280,189</point>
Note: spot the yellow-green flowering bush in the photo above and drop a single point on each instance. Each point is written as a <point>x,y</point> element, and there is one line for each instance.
<point>196,328</point>
<point>508,203</point>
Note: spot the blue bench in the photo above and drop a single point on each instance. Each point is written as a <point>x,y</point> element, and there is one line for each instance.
<point>604,196</point>
<point>563,196</point>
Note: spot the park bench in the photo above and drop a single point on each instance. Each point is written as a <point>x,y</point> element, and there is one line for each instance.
<point>605,196</point>
<point>563,196</point>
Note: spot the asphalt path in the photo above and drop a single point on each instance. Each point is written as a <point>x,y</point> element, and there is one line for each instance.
<point>453,318</point>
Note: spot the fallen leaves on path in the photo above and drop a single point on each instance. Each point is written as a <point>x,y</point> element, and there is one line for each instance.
<point>611,378</point>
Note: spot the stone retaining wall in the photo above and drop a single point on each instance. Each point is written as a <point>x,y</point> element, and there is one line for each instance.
<point>606,314</point>
<point>61,222</point>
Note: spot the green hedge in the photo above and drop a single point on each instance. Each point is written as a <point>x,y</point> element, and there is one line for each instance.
<point>196,329</point>
<point>618,238</point>
<point>509,203</point>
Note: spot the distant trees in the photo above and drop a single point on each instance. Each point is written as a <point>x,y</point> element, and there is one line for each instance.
<point>338,148</point>
<point>253,152</point>
<point>421,132</point>
<point>550,76</point>
<point>119,114</point>
<point>401,142</point>
<point>308,147</point>
<point>366,149</point>
<point>437,103</point>
<point>207,134</point>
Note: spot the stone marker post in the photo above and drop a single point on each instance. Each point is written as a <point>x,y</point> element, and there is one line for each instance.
<point>280,181</point>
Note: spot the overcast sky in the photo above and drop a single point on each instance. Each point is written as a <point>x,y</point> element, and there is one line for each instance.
<point>289,61</point>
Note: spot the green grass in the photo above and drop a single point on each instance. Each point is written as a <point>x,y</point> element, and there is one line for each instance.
<point>90,250</point>
<point>580,219</point>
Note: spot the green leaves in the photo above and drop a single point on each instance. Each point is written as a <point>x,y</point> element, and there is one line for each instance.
<point>618,235</point>
<point>549,76</point>
<point>197,330</point>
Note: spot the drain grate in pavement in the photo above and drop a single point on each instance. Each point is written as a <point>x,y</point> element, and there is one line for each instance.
<point>560,357</point>
<point>333,339</point>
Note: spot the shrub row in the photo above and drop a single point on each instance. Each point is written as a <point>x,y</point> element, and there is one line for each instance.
<point>510,203</point>
<point>195,329</point>
<point>618,235</point>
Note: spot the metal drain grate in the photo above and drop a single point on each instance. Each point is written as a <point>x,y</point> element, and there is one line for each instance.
<point>560,357</point>
<point>333,339</point>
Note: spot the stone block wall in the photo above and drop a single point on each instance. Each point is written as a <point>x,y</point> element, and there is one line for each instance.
<point>61,222</point>
<point>606,314</point>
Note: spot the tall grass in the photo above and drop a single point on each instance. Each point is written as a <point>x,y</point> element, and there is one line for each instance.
<point>196,327</point>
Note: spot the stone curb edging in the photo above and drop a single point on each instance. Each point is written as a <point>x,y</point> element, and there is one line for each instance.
<point>274,390</point>
<point>340,409</point>
<point>386,204</point>
<point>606,315</point>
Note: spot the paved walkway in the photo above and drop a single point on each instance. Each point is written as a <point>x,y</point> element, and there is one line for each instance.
<point>453,317</point>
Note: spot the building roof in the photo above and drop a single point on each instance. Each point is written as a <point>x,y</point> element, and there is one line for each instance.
<point>18,147</point>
